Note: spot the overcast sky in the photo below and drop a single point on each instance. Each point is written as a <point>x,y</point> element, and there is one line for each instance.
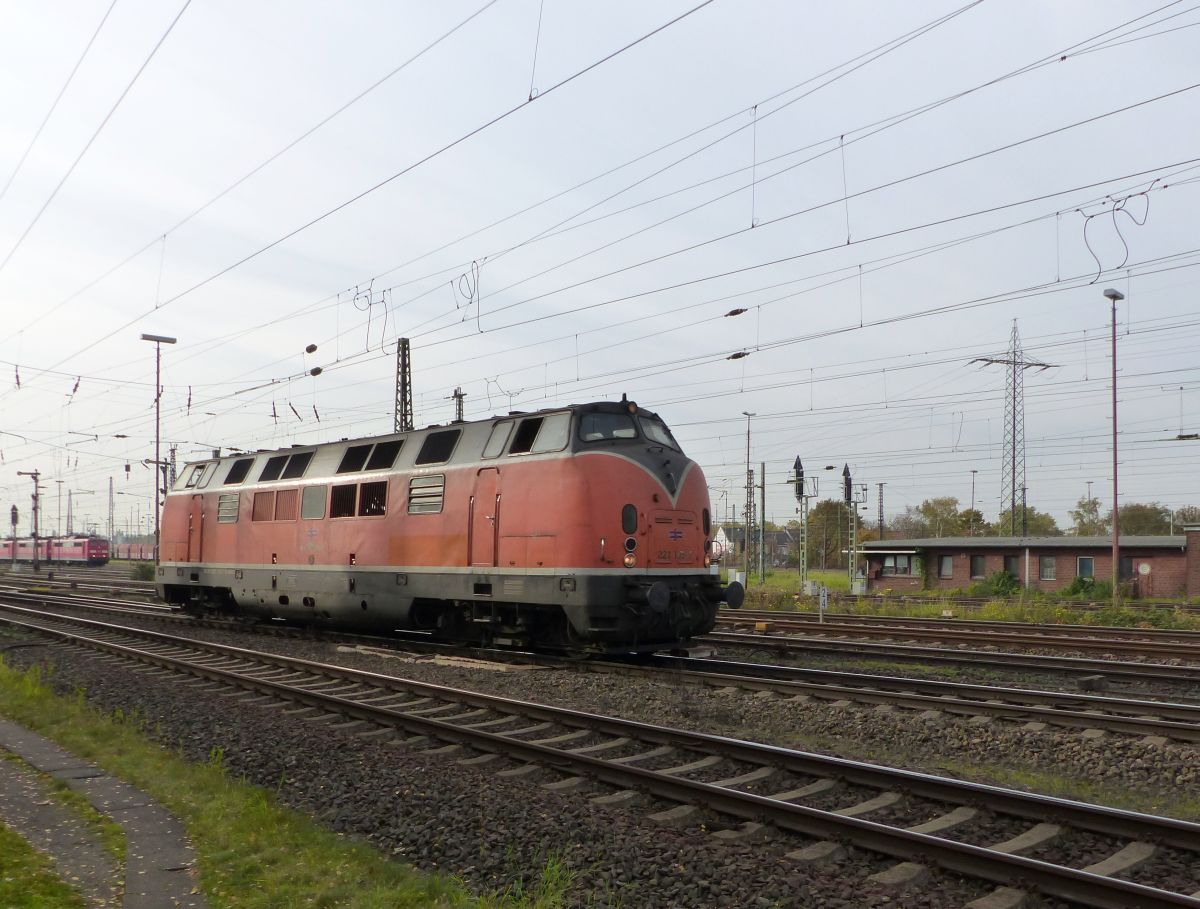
<point>882,187</point>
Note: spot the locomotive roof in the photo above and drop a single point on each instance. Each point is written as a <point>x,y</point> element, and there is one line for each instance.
<point>478,428</point>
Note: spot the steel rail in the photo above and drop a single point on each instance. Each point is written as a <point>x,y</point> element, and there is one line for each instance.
<point>1052,642</point>
<point>971,860</point>
<point>836,619</point>
<point>1180,722</point>
<point>1008,661</point>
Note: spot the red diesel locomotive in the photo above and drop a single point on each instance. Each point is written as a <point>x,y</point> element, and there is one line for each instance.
<point>579,528</point>
<point>74,550</point>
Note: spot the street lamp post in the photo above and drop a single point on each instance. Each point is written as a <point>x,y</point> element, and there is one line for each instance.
<point>158,341</point>
<point>1114,296</point>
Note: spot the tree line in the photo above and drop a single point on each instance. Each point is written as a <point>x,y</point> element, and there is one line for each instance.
<point>829,521</point>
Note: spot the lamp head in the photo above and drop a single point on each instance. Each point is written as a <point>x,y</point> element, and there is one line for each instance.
<point>1114,295</point>
<point>158,339</point>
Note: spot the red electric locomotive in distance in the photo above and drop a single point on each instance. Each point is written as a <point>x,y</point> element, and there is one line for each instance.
<point>73,550</point>
<point>578,528</point>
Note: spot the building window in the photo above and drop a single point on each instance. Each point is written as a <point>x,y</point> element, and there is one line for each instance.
<point>978,566</point>
<point>341,501</point>
<point>898,564</point>
<point>1047,568</point>
<point>372,499</point>
<point>1011,566</point>
<point>945,566</point>
<point>312,503</point>
<point>237,473</point>
<point>425,494</point>
<point>227,508</point>
<point>1085,567</point>
<point>1126,568</point>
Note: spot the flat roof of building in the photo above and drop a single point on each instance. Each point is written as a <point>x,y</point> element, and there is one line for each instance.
<point>1064,542</point>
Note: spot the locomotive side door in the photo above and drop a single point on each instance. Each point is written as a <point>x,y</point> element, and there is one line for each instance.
<point>484,528</point>
<point>195,532</point>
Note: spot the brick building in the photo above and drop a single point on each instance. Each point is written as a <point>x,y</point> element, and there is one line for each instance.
<point>1157,566</point>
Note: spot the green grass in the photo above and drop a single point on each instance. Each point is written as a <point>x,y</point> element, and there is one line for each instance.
<point>253,853</point>
<point>28,880</point>
<point>782,588</point>
<point>108,832</point>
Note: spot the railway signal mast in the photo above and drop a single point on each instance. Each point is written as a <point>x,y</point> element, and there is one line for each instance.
<point>803,494</point>
<point>36,493</point>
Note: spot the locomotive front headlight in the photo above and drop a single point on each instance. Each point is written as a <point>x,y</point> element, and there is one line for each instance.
<point>630,560</point>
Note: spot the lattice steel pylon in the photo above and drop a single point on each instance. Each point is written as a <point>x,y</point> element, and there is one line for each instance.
<point>1012,471</point>
<point>404,405</point>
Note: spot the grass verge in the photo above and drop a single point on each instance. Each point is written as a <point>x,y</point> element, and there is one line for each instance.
<point>27,879</point>
<point>253,853</point>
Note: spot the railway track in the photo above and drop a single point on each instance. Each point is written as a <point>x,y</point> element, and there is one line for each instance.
<point>894,652</point>
<point>1153,719</point>
<point>804,619</point>
<point>744,789</point>
<point>1046,638</point>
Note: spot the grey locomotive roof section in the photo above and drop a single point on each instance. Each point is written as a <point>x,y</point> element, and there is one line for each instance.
<point>1147,542</point>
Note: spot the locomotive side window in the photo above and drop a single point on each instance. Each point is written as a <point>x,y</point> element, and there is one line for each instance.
<point>237,473</point>
<point>296,465</point>
<point>312,504</point>
<point>553,434</point>
<point>600,427</point>
<point>273,469</point>
<point>384,455</point>
<point>372,499</point>
<point>341,502</point>
<point>425,494</point>
<point>227,508</point>
<point>496,441</point>
<point>354,459</point>
<point>285,505</point>
<point>195,475</point>
<point>264,506</point>
<point>438,447</point>
<point>526,433</point>
<point>656,431</point>
<point>629,519</point>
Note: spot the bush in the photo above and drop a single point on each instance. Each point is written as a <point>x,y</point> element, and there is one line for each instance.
<point>1088,588</point>
<point>1000,584</point>
<point>142,571</point>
